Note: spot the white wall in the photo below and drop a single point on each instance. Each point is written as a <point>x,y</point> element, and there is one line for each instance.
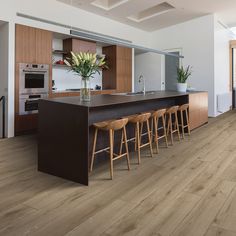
<point>4,29</point>
<point>62,13</point>
<point>222,63</point>
<point>55,11</point>
<point>196,39</point>
<point>150,66</point>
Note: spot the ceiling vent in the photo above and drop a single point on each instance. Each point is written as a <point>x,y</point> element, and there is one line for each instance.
<point>108,4</point>
<point>152,12</point>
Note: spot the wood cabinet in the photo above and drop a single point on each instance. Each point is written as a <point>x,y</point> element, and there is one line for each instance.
<point>119,74</point>
<point>43,47</point>
<point>198,109</point>
<point>25,44</point>
<point>26,124</point>
<point>31,46</point>
<point>78,45</point>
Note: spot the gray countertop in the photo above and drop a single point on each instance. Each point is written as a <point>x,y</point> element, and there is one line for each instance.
<point>109,99</point>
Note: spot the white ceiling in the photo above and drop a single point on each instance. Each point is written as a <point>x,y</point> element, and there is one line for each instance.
<point>151,15</point>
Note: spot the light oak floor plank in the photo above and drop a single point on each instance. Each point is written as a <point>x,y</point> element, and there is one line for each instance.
<point>187,189</point>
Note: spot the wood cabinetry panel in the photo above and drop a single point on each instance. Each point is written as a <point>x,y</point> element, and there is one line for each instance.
<point>26,123</point>
<point>17,67</point>
<point>43,46</point>
<point>83,46</point>
<point>77,45</point>
<point>25,44</point>
<point>32,46</point>
<point>198,109</point>
<point>119,74</point>
<point>109,75</point>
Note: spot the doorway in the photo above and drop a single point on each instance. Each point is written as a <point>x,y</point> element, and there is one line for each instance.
<point>171,64</point>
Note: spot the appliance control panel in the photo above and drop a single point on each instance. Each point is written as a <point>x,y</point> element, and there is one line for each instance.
<point>35,66</point>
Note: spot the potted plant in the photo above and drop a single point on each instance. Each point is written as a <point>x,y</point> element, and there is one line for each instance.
<point>85,65</point>
<point>182,76</point>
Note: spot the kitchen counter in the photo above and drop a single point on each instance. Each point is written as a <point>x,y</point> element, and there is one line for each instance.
<point>114,99</point>
<point>66,131</point>
<point>68,93</point>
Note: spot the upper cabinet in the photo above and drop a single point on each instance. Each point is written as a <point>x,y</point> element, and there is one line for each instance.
<point>43,46</point>
<point>119,74</point>
<point>25,44</point>
<point>78,45</point>
<point>33,45</point>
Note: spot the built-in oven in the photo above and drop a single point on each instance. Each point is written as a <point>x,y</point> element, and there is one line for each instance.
<point>28,104</point>
<point>33,85</point>
<point>33,78</point>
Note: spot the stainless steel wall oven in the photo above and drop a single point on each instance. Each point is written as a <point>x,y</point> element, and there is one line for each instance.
<point>33,85</point>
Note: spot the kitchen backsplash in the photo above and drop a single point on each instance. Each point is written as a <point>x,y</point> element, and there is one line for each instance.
<point>65,79</point>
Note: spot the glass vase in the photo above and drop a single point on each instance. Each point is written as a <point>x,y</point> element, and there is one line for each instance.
<point>85,91</point>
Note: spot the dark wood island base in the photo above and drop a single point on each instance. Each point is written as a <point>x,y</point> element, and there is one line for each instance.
<point>65,126</point>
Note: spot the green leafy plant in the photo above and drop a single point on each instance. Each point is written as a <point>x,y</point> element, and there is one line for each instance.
<point>183,74</point>
<point>85,64</point>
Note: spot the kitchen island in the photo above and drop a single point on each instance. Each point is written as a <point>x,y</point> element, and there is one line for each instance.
<point>66,132</point>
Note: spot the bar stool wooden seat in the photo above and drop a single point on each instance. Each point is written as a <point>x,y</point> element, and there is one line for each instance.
<point>155,118</point>
<point>172,122</point>
<point>111,127</point>
<point>139,120</point>
<point>183,110</point>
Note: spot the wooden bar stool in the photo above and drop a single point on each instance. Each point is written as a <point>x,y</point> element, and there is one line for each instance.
<point>172,123</point>
<point>111,127</point>
<point>183,109</point>
<point>139,120</point>
<point>156,116</point>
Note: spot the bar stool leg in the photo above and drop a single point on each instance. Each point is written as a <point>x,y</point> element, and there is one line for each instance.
<point>138,142</point>
<point>149,138</point>
<point>171,129</point>
<point>177,125</point>
<point>164,129</point>
<point>121,142</point>
<point>111,135</point>
<point>182,123</point>
<point>187,122</point>
<point>141,131</point>
<point>156,134</point>
<point>136,138</point>
<point>94,149</point>
<point>152,126</point>
<point>126,147</point>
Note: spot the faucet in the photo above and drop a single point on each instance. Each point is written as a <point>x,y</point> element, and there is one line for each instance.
<point>142,79</point>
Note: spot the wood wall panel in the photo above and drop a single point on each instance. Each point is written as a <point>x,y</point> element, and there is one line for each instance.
<point>109,75</point>
<point>26,124</point>
<point>25,44</point>
<point>83,46</point>
<point>119,74</point>
<point>198,109</point>
<point>43,46</point>
<point>77,45</point>
<point>17,88</point>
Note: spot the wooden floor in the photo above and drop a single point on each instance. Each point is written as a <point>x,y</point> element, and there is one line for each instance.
<point>188,189</point>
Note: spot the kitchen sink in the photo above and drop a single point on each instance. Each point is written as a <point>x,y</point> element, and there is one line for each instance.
<point>134,93</point>
<point>140,93</point>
